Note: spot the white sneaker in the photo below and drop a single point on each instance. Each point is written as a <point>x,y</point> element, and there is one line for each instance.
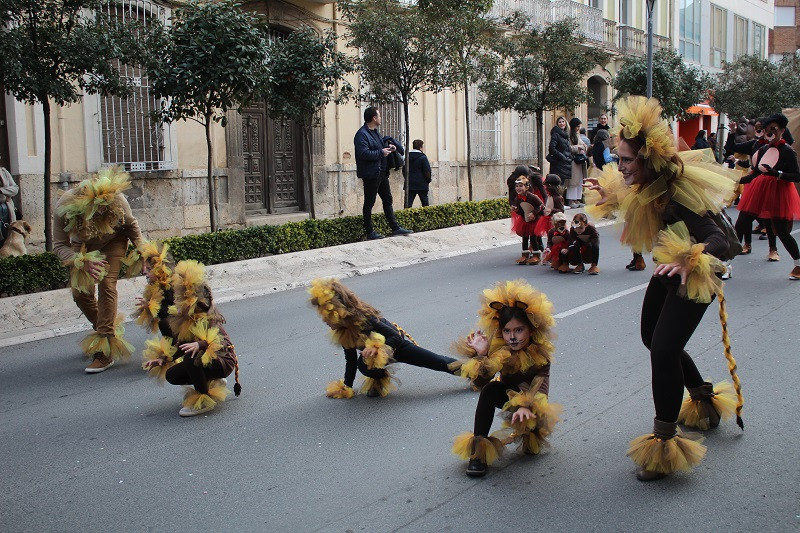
<point>190,411</point>
<point>728,272</point>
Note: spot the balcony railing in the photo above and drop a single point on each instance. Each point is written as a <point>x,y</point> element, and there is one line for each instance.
<point>633,41</point>
<point>629,40</point>
<point>590,19</point>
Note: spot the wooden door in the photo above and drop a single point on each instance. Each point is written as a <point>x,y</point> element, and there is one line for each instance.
<point>283,166</point>
<point>253,141</point>
<point>272,169</point>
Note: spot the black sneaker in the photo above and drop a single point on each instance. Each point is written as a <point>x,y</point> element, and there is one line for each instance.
<point>402,231</point>
<point>374,235</point>
<point>476,468</point>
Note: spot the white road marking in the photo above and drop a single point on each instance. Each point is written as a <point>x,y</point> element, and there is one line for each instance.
<point>601,301</point>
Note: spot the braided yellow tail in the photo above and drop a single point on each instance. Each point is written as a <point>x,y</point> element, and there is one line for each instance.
<point>726,343</point>
<point>404,333</point>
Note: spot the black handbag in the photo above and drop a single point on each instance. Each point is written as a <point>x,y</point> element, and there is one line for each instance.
<point>581,159</point>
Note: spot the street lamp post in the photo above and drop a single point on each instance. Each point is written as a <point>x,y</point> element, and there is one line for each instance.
<point>650,4</point>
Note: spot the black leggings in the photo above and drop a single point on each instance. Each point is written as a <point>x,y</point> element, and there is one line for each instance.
<point>591,255</point>
<point>782,229</point>
<point>373,189</point>
<point>493,396</point>
<point>535,243</point>
<point>408,353</point>
<point>668,322</point>
<point>744,230</point>
<point>186,373</point>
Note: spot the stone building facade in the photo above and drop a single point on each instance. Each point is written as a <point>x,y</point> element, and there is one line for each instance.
<point>258,161</point>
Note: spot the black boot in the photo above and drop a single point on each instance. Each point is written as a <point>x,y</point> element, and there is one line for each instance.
<point>476,468</point>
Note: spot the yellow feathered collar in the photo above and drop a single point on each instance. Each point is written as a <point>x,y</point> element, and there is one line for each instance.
<point>95,208</point>
<point>702,186</point>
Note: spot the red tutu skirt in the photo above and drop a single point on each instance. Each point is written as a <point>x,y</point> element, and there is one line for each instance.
<point>543,225</point>
<point>768,197</point>
<point>555,251</point>
<point>521,227</point>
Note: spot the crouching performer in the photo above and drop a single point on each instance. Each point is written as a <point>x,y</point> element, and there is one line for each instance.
<point>514,340</point>
<point>194,348</point>
<point>356,325</point>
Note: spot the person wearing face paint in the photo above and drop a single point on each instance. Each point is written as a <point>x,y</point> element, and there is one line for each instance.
<point>514,342</point>
<point>584,245</point>
<point>558,244</point>
<point>746,156</point>
<point>771,194</point>
<point>668,204</point>
<point>524,223</point>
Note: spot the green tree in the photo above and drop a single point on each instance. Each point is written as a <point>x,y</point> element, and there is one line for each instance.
<point>676,85</point>
<point>306,72</point>
<point>467,31</point>
<point>211,59</point>
<point>53,52</point>
<point>756,87</point>
<point>400,53</point>
<point>533,70</point>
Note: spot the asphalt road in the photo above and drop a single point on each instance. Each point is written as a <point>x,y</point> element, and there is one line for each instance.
<point>108,452</point>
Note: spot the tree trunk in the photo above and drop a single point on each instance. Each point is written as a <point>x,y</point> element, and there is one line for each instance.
<point>540,134</point>
<point>48,156</point>
<point>308,167</point>
<point>468,124</point>
<point>213,207</point>
<point>406,160</point>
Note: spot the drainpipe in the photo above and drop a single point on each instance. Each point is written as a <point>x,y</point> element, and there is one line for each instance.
<point>339,195</point>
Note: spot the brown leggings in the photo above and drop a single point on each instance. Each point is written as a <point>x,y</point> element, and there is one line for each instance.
<point>102,309</point>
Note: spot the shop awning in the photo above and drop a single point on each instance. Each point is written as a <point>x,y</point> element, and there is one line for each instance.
<point>702,109</point>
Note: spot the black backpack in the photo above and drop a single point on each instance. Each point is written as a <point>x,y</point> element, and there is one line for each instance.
<point>723,221</point>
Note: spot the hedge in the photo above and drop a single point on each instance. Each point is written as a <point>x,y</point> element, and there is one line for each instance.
<point>42,272</point>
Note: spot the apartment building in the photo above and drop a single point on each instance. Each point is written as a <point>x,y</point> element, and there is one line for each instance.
<point>709,32</point>
<point>258,160</point>
<point>785,37</point>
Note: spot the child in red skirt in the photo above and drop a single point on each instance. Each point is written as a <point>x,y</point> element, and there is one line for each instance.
<point>524,224</point>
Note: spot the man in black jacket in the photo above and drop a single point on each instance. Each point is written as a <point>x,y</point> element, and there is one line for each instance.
<point>419,175</point>
<point>372,169</point>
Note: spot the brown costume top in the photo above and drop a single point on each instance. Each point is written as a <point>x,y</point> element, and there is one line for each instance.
<point>63,242</point>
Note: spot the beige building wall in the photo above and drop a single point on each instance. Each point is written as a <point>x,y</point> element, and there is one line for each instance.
<point>173,201</point>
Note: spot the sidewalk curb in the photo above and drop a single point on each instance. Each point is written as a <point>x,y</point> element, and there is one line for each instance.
<point>31,317</point>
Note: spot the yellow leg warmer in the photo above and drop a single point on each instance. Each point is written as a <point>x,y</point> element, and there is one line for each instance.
<point>382,386</point>
<point>665,456</point>
<point>485,449</point>
<point>706,405</point>
<point>338,390</point>
<point>114,346</point>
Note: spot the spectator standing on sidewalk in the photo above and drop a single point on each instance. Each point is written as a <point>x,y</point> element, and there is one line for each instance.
<point>559,155</point>
<point>419,174</point>
<point>579,150</point>
<point>8,190</point>
<point>372,169</point>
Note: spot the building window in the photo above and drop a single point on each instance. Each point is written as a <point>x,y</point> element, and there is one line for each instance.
<point>130,137</point>
<point>784,16</point>
<point>739,36</point>
<point>689,46</point>
<point>526,137</point>
<point>392,121</point>
<point>758,40</point>
<point>485,131</point>
<point>719,36</point>
<point>625,12</point>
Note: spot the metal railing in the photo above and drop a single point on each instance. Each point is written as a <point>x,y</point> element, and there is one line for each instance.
<point>633,41</point>
<point>129,136</point>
